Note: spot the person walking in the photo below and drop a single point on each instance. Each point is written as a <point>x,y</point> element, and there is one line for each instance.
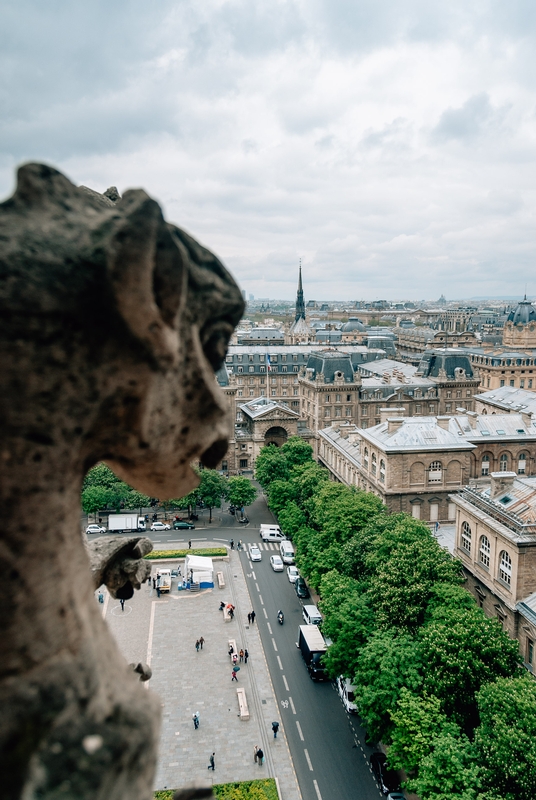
<point>212,765</point>
<point>201,642</point>
<point>189,544</point>
<point>234,659</point>
<point>246,656</point>
<point>275,728</point>
<point>252,617</point>
<point>158,587</point>
<point>232,544</point>
<point>231,651</point>
<point>154,582</point>
<point>234,676</point>
<point>197,645</point>
<point>195,717</point>
<point>249,618</point>
<point>231,612</point>
<point>241,654</point>
<point>121,600</point>
<point>260,756</point>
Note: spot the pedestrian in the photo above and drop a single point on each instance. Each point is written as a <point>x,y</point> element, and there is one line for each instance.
<point>158,587</point>
<point>246,656</point>
<point>249,618</point>
<point>231,612</point>
<point>154,582</point>
<point>275,728</point>
<point>195,717</point>
<point>121,600</point>
<point>222,605</point>
<point>201,642</point>
<point>212,765</point>
<point>260,757</point>
<point>234,658</point>
<point>232,544</point>
<point>197,645</point>
<point>101,597</point>
<point>231,651</point>
<point>189,544</point>
<point>252,617</point>
<point>255,751</point>
<point>241,655</point>
<point>234,676</point>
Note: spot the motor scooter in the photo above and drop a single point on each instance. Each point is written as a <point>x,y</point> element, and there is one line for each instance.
<point>280,617</point>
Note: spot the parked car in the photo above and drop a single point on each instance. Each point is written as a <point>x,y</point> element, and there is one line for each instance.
<point>396,796</point>
<point>387,778</point>
<point>255,554</point>
<point>95,529</point>
<point>182,524</point>
<point>160,526</point>
<point>276,563</point>
<point>346,691</point>
<point>301,588</point>
<point>292,574</point>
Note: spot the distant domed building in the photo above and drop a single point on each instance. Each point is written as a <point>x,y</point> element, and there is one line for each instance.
<point>353,330</point>
<point>520,326</point>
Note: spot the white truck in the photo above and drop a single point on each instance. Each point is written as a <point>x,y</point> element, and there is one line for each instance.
<point>164,576</point>
<point>126,522</point>
<point>271,533</point>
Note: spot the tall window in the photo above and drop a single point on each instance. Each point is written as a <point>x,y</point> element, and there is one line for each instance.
<point>382,471</point>
<point>485,465</point>
<point>484,551</point>
<point>503,463</point>
<point>365,457</point>
<point>466,537</point>
<point>505,567</point>
<point>522,464</point>
<point>435,473</point>
<point>374,463</point>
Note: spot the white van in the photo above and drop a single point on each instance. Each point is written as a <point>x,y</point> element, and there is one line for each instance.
<point>287,552</point>
<point>311,615</point>
<point>271,533</point>
<point>346,691</point>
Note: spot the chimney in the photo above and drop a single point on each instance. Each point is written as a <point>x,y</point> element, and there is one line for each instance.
<point>394,423</point>
<point>443,422</point>
<point>472,416</point>
<point>391,412</point>
<point>527,418</point>
<point>501,482</point>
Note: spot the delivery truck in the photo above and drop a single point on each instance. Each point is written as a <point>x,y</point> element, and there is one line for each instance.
<point>164,577</point>
<point>313,646</point>
<point>126,522</point>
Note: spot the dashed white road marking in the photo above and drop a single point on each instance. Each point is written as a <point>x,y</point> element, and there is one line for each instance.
<point>299,730</point>
<point>285,682</point>
<point>274,644</point>
<point>269,628</point>
<point>265,614</point>
<point>291,701</point>
<point>262,601</point>
<point>317,790</point>
<point>279,662</point>
<point>308,760</point>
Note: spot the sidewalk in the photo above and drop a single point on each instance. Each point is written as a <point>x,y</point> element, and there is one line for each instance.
<point>163,632</point>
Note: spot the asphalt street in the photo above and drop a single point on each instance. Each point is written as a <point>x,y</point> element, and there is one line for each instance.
<point>327,745</point>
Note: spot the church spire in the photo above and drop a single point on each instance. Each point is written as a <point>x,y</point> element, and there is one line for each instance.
<point>300,302</point>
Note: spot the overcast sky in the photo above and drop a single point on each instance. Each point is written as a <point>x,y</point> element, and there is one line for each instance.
<point>388,143</point>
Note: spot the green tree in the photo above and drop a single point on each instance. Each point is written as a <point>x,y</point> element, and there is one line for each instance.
<point>94,498</point>
<point>307,480</point>
<point>291,519</point>
<point>506,737</point>
<point>100,475</point>
<point>450,771</point>
<point>241,492</point>
<point>338,511</point>
<point>271,465</point>
<point>462,650</point>
<point>136,499</point>
<point>118,494</point>
<point>212,488</point>
<point>280,493</point>
<point>348,622</point>
<point>388,663</point>
<point>297,451</point>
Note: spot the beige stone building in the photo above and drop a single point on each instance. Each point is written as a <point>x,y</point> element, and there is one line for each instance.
<point>414,463</point>
<point>496,543</point>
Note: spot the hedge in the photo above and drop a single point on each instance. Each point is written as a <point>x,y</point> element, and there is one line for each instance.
<point>264,789</point>
<point>194,551</point>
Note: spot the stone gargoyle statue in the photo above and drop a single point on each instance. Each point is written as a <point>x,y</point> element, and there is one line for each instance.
<point>112,325</point>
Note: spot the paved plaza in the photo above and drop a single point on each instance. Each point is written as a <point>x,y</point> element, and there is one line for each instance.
<point>163,632</point>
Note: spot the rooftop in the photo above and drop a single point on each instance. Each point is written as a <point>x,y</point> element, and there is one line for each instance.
<point>509,398</point>
<point>514,506</point>
<point>263,405</point>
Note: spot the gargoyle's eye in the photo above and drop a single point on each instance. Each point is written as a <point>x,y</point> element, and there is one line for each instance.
<point>215,339</point>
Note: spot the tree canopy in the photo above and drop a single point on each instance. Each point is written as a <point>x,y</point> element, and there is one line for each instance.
<point>241,492</point>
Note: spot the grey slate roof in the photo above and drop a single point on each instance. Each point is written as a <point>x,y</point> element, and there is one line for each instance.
<point>510,398</point>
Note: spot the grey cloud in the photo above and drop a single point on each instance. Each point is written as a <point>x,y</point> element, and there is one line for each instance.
<point>467,122</point>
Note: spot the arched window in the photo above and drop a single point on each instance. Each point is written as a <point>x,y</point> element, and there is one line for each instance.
<point>374,463</point>
<point>505,567</point>
<point>484,551</point>
<point>435,472</point>
<point>382,471</point>
<point>466,537</point>
<point>522,464</point>
<point>485,465</point>
<point>503,463</point>
<point>365,457</point>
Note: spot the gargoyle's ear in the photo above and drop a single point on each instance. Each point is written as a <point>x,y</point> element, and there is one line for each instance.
<point>147,274</point>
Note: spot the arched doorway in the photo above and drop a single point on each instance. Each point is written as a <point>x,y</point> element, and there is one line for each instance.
<point>275,435</point>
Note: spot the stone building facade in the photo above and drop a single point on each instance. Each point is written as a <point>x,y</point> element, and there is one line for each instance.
<point>496,544</point>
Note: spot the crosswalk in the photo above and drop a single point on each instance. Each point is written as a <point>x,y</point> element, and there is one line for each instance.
<point>265,545</point>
